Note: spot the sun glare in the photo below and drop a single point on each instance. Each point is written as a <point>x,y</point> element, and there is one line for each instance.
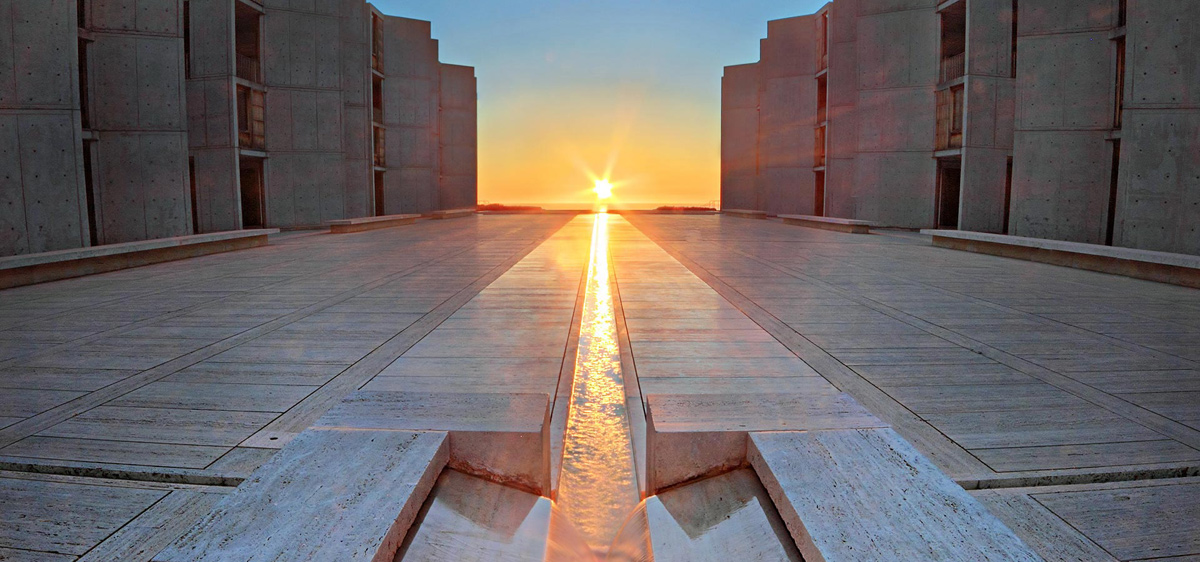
<point>603,189</point>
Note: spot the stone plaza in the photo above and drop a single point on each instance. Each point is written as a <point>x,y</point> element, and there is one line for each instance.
<point>404,392</point>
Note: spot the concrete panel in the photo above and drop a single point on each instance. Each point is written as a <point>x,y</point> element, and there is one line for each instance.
<point>1162,46</point>
<point>164,179</point>
<point>119,190</point>
<point>896,120</point>
<point>1159,207</point>
<point>458,158</point>
<point>49,174</point>
<point>418,190</point>
<point>788,191</point>
<point>1065,81</point>
<point>217,203</point>
<point>840,200</point>
<point>159,82</point>
<point>279,122</point>
<point>786,121</point>
<point>984,172</point>
<point>843,75</point>
<point>212,38</point>
<point>1059,16</point>
<point>789,49</point>
<point>409,51</point>
<point>43,49</point>
<point>898,49</point>
<point>328,120</point>
<point>115,82</point>
<point>739,137</point>
<point>304,120</point>
<point>989,38</point>
<point>843,21</point>
<point>868,7</point>
<point>895,189</point>
<point>1060,185</point>
<point>12,206</point>
<point>989,112</point>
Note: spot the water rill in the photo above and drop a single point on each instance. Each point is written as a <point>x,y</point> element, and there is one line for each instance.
<point>598,488</point>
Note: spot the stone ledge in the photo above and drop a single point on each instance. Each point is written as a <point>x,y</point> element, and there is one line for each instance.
<point>1164,267</point>
<point>690,436</point>
<point>29,269</point>
<point>361,224</point>
<point>347,495</point>
<point>504,438</point>
<point>451,213</point>
<point>744,213</point>
<point>866,495</point>
<point>851,226</point>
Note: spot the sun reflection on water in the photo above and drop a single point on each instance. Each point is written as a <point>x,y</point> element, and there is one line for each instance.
<point>597,488</point>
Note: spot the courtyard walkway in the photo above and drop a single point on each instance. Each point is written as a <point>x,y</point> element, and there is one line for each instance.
<point>1067,402</point>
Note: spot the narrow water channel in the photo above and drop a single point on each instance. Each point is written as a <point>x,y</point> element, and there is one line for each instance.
<point>598,488</point>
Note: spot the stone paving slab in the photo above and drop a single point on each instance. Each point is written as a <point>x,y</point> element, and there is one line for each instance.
<point>1105,340</point>
<point>867,495</point>
<point>309,503</point>
<point>503,436</point>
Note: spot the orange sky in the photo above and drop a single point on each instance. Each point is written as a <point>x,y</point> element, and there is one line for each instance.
<point>565,85</point>
<point>662,149</point>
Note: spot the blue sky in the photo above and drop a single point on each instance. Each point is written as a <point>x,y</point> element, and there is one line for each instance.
<point>563,85</point>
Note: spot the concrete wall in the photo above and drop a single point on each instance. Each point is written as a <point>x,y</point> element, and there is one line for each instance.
<point>1065,106</point>
<point>842,128</point>
<point>138,110</point>
<point>411,115</point>
<point>786,119</point>
<point>302,66</point>
<point>42,199</point>
<point>739,137</point>
<point>458,184</point>
<point>357,179</point>
<point>897,42</point>
<point>988,110</point>
<point>1159,203</point>
<point>212,111</point>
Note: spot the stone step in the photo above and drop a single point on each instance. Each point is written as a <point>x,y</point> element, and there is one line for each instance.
<point>361,224</point>
<point>829,223</point>
<point>690,436</point>
<point>503,437</point>
<point>346,495</point>
<point>27,269</point>
<point>866,495</point>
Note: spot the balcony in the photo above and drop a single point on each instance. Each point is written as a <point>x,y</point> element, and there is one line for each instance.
<point>949,119</point>
<point>380,152</point>
<point>252,129</point>
<point>819,148</point>
<point>248,69</point>
<point>953,67</point>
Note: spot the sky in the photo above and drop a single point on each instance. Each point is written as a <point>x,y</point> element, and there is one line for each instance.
<point>571,91</point>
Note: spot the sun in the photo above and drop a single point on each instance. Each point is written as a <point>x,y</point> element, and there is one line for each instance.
<point>603,189</point>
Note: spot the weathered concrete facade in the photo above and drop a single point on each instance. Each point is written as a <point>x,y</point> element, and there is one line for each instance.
<point>124,121</point>
<point>1074,120</point>
<point>92,128</point>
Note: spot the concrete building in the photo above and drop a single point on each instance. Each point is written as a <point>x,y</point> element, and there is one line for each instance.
<point>1073,120</point>
<point>93,138</point>
<point>124,121</point>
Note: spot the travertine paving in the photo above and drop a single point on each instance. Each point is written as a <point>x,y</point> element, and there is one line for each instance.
<point>1065,401</point>
<point>1005,373</point>
<point>196,371</point>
